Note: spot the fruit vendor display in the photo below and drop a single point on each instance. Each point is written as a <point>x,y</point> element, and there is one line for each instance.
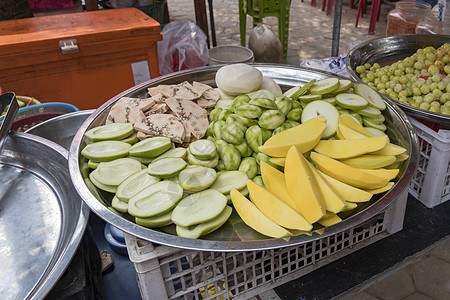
<point>420,80</point>
<point>286,163</point>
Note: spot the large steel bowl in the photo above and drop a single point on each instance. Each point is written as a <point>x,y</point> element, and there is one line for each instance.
<point>390,49</point>
<point>42,217</point>
<point>228,238</point>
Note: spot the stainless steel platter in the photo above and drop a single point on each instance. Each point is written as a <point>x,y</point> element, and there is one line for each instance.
<point>390,49</point>
<point>235,235</point>
<point>61,129</point>
<point>42,218</point>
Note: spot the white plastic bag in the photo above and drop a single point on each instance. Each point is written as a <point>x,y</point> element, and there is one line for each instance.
<point>184,46</point>
<point>330,64</point>
<point>265,45</point>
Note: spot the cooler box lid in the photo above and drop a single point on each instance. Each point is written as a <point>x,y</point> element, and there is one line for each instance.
<point>30,41</point>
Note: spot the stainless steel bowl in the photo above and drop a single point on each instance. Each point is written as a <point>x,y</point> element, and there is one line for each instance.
<point>390,49</point>
<point>227,237</point>
<point>61,129</point>
<point>42,217</point>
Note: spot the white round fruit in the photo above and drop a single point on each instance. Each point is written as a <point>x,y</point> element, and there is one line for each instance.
<point>237,79</point>
<point>268,83</point>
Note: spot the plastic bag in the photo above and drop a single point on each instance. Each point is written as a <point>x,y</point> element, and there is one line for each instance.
<point>265,45</point>
<point>334,65</point>
<point>184,46</point>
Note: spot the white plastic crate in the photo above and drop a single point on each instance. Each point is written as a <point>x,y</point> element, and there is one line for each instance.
<point>171,273</point>
<point>431,181</point>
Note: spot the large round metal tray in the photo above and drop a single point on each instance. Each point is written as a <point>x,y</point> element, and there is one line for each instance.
<point>42,217</point>
<point>238,237</point>
<point>390,49</point>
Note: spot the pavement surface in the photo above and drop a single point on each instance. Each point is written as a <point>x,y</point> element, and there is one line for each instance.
<point>310,37</point>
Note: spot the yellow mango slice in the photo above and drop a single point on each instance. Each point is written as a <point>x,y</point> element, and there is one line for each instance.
<point>254,218</point>
<point>369,161</point>
<point>350,206</point>
<point>346,173</point>
<point>276,185</point>
<point>383,189</point>
<point>275,209</point>
<point>350,134</point>
<point>333,200</point>
<point>401,157</point>
<point>302,186</point>
<point>348,192</point>
<point>340,149</point>
<point>348,120</point>
<point>279,161</point>
<point>389,174</point>
<point>304,136</point>
<point>329,219</point>
<point>390,149</point>
<point>339,134</point>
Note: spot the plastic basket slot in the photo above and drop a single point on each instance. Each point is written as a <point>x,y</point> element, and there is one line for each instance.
<point>430,182</point>
<point>189,274</point>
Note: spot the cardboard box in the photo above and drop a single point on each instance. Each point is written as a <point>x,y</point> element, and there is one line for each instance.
<point>80,58</point>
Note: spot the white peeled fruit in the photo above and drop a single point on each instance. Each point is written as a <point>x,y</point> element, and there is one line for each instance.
<point>268,83</point>
<point>322,108</point>
<point>237,79</point>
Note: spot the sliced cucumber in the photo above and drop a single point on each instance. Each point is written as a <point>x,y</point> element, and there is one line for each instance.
<point>211,163</point>
<point>155,199</point>
<point>93,164</point>
<point>357,117</point>
<point>106,150</point>
<point>344,86</point>
<point>142,160</point>
<point>296,91</point>
<point>369,112</point>
<point>179,152</point>
<point>331,100</point>
<point>116,171</point>
<point>151,147</point>
<point>203,149</point>
<point>134,184</point>
<point>103,187</point>
<point>196,231</point>
<point>370,95</point>
<point>351,101</point>
<point>368,123</point>
<point>112,131</point>
<point>119,205</point>
<point>376,120</point>
<point>199,207</point>
<point>132,139</point>
<point>197,178</point>
<point>156,221</point>
<point>166,167</point>
<point>309,98</point>
<point>376,132</point>
<point>227,180</point>
<point>324,109</point>
<point>324,86</point>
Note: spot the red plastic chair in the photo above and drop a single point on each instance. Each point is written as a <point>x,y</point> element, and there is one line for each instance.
<point>374,14</point>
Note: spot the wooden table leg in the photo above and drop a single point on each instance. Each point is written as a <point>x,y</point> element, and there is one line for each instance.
<point>91,4</point>
<point>201,17</point>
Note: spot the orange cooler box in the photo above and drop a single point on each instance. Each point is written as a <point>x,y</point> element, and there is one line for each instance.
<point>80,58</point>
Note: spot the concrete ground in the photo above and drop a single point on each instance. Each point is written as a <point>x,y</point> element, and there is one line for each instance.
<point>310,37</point>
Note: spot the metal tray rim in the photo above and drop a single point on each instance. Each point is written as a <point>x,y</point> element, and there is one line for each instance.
<point>207,245</point>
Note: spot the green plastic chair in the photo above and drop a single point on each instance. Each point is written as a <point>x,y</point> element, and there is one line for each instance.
<point>259,9</point>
